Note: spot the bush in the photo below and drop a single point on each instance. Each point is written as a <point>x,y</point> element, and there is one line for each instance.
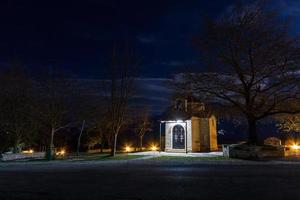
<point>50,154</point>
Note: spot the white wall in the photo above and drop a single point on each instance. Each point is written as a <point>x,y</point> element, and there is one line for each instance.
<point>168,135</point>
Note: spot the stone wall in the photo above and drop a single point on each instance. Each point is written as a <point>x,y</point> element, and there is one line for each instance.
<point>19,156</point>
<point>213,133</point>
<point>201,134</point>
<point>195,134</point>
<point>204,134</point>
<point>244,151</point>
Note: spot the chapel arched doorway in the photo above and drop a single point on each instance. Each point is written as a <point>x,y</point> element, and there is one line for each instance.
<point>178,137</point>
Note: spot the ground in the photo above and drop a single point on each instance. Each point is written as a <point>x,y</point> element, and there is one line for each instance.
<point>150,179</point>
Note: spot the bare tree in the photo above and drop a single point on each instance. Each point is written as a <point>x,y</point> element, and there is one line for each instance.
<point>79,137</point>
<point>16,105</point>
<point>54,104</point>
<point>98,125</point>
<point>102,128</point>
<point>87,107</point>
<point>289,122</point>
<point>252,64</point>
<point>142,124</point>
<point>118,90</point>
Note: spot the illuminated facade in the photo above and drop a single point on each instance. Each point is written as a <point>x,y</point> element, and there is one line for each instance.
<point>196,133</point>
<point>192,135</point>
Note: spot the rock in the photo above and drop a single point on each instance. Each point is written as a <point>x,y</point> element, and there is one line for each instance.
<point>273,141</point>
<point>246,151</point>
<point>19,156</point>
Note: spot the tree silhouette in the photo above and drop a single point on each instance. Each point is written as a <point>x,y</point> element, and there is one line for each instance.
<point>251,64</point>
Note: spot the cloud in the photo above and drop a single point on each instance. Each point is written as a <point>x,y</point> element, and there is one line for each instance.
<point>176,63</point>
<point>153,85</point>
<point>151,98</point>
<point>154,79</point>
<point>290,7</point>
<point>173,63</point>
<point>151,92</point>
<point>156,88</point>
<point>146,39</point>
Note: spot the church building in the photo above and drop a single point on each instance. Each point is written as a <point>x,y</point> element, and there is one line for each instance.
<point>190,128</point>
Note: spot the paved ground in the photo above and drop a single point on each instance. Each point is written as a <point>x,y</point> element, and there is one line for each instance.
<point>150,154</point>
<point>145,179</point>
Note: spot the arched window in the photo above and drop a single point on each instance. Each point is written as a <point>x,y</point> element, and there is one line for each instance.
<point>178,137</point>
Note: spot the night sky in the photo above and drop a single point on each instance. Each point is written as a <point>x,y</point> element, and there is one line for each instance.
<point>77,36</point>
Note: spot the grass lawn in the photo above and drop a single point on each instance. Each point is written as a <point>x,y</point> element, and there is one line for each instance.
<point>90,157</point>
<point>82,157</point>
<point>182,158</point>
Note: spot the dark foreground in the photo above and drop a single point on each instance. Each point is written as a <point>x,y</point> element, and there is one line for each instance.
<point>149,180</point>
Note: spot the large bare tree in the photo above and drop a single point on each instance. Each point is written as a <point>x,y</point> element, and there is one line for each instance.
<point>99,123</point>
<point>118,90</point>
<point>251,64</point>
<point>55,94</point>
<point>17,107</point>
<point>289,122</point>
<point>142,123</point>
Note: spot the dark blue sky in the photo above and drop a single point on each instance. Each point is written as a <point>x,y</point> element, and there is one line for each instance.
<point>77,36</point>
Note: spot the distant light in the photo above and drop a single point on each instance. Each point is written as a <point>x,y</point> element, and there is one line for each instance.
<point>295,147</point>
<point>61,152</point>
<point>127,148</point>
<point>153,148</point>
<point>30,151</point>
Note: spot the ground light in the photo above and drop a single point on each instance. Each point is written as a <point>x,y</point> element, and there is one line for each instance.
<point>28,151</point>
<point>127,148</point>
<point>295,147</point>
<point>61,152</point>
<point>153,148</point>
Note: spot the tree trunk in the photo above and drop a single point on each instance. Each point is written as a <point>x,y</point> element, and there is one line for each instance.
<point>51,141</point>
<point>114,145</point>
<point>79,138</point>
<point>101,145</point>
<point>101,148</point>
<point>17,142</point>
<point>15,148</point>
<point>252,131</point>
<point>50,152</point>
<point>101,140</point>
<point>141,143</point>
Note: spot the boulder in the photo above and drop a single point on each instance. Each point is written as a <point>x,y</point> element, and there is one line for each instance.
<point>246,151</point>
<point>273,141</point>
<point>20,156</point>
